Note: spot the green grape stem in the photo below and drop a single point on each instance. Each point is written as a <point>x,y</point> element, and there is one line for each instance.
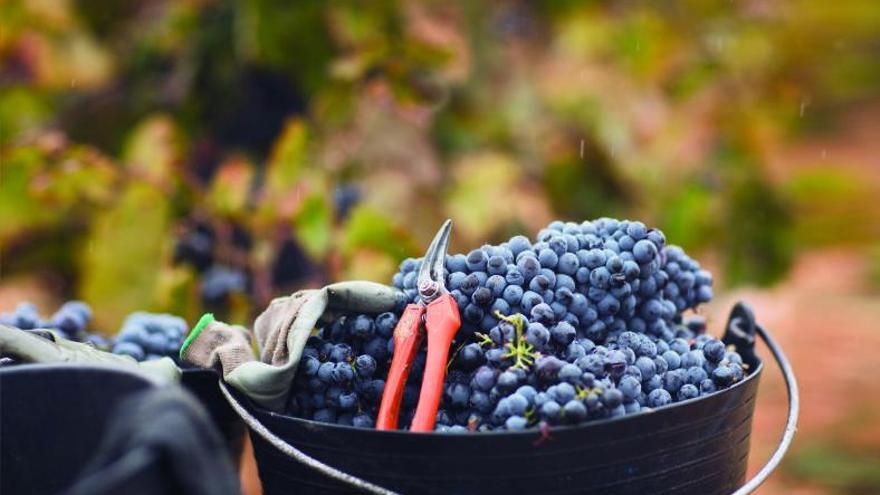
<point>484,339</point>
<point>521,351</point>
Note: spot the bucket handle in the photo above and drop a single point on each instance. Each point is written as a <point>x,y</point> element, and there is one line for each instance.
<point>740,332</point>
<point>293,452</point>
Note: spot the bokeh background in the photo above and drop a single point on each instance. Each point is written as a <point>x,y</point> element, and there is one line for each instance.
<point>197,155</point>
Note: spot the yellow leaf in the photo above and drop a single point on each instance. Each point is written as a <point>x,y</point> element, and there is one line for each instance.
<point>231,187</point>
<point>484,186</point>
<point>153,149</point>
<point>281,192</point>
<point>368,264</point>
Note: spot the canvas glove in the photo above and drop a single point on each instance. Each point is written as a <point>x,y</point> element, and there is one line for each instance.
<point>280,332</point>
<point>49,347</point>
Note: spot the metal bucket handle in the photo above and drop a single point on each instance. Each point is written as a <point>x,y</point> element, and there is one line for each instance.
<point>740,332</point>
<point>296,454</point>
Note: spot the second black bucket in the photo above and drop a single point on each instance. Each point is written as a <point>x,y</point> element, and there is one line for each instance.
<point>699,446</point>
<point>52,418</point>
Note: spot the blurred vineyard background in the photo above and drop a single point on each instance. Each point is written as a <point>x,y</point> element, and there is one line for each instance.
<point>208,155</point>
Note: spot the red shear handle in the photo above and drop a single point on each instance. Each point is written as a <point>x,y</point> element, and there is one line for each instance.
<point>406,343</point>
<point>442,323</point>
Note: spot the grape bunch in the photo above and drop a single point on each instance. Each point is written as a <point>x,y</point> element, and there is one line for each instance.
<point>143,336</point>
<point>340,377</point>
<point>148,336</point>
<point>219,282</point>
<point>71,320</point>
<point>197,245</point>
<point>584,323</point>
<point>601,277</point>
<point>345,198</point>
<point>221,252</point>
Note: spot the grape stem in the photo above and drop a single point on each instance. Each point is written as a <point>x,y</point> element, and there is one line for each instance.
<point>521,351</point>
<point>484,339</point>
<point>582,393</point>
<point>531,417</point>
<point>454,355</point>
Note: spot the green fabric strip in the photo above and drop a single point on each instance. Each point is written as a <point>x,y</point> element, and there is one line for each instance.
<point>204,321</point>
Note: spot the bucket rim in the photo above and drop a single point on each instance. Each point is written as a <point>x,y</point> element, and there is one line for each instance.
<point>39,368</point>
<point>754,374</point>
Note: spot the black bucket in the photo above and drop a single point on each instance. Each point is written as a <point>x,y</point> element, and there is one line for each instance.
<point>203,384</point>
<point>52,418</point>
<point>698,446</point>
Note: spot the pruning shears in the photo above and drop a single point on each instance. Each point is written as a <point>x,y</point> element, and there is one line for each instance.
<point>439,311</point>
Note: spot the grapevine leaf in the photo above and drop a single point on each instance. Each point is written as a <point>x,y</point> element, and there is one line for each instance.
<point>124,254</point>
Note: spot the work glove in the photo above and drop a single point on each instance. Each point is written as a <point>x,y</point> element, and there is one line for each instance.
<point>281,332</point>
<point>47,346</point>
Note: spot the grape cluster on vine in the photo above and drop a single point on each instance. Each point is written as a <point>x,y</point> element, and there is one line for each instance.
<point>221,253</point>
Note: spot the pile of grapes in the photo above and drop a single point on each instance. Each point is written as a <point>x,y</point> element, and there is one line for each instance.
<point>143,336</point>
<point>584,323</point>
<point>341,374</point>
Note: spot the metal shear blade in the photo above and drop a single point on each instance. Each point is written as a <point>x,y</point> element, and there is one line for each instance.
<point>430,279</point>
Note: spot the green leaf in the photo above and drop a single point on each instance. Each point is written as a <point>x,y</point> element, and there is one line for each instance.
<point>50,186</point>
<point>480,198</point>
<point>314,224</point>
<point>689,215</point>
<point>177,292</point>
<point>124,254</point>
<point>755,226</point>
<point>288,156</point>
<point>21,109</point>
<point>823,199</point>
<point>585,189</point>
<point>19,209</point>
<point>369,229</point>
